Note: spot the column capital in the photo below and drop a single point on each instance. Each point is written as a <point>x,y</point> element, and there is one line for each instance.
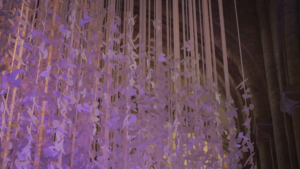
<point>263,129</point>
<point>290,99</point>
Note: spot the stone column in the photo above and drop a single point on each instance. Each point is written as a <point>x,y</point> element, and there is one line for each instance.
<point>292,52</point>
<point>280,138</point>
<point>264,132</point>
<point>267,145</point>
<point>264,156</point>
<point>273,152</point>
<point>291,140</point>
<point>276,30</point>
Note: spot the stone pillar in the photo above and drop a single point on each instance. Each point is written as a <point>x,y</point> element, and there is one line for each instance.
<point>264,156</point>
<point>290,103</point>
<point>292,52</point>
<point>280,138</point>
<point>291,140</point>
<point>276,30</point>
<point>264,131</point>
<point>273,152</point>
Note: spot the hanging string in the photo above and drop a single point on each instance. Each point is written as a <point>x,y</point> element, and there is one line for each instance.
<point>207,42</point>
<point>149,159</point>
<point>184,39</point>
<point>176,52</point>
<point>213,45</point>
<point>224,50</point>
<point>43,109</point>
<point>188,54</point>
<point>202,45</point>
<point>192,38</point>
<point>127,13</point>
<point>197,80</point>
<point>240,48</point>
<point>189,79</point>
<point>170,141</point>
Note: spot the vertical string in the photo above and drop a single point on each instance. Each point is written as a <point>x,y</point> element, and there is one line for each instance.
<point>240,48</point>
<point>196,44</point>
<point>176,54</point>
<point>188,35</point>
<point>149,159</point>
<point>169,85</point>
<point>207,42</point>
<point>213,45</point>
<point>192,54</point>
<point>202,45</point>
<point>170,101</point>
<point>125,130</point>
<point>184,39</point>
<point>77,100</point>
<point>190,63</point>
<point>116,132</point>
<point>180,142</point>
<point>191,27</point>
<point>43,109</point>
<point>142,19</point>
<point>108,69</point>
<point>224,50</point>
<point>157,67</point>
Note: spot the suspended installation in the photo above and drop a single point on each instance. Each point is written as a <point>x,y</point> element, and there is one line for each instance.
<point>116,84</point>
